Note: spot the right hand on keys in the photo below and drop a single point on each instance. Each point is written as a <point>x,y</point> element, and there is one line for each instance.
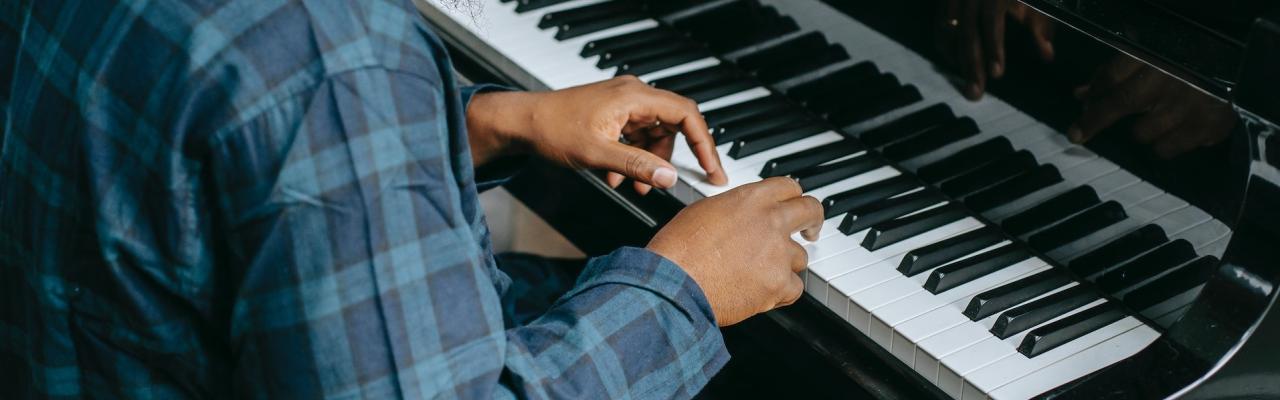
<point>737,246</point>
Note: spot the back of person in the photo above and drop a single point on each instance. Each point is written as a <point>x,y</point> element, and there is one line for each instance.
<point>136,186</point>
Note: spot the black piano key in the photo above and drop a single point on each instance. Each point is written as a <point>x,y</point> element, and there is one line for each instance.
<point>836,97</point>
<point>586,13</point>
<point>1183,278</point>
<point>788,51</point>
<point>854,113</point>
<point>709,25</point>
<point>797,161</point>
<point>1117,251</point>
<point>712,92</point>
<point>907,125</point>
<point>580,28</point>
<point>1060,332</point>
<point>994,301</point>
<point>777,73</point>
<point>1038,311</point>
<point>1005,192</point>
<point>843,202</point>
<point>886,210</point>
<point>897,230</point>
<point>949,249</point>
<point>641,37</point>
<point>1078,226</point>
<point>698,78</point>
<point>619,57</point>
<point>757,143</point>
<point>826,174</point>
<point>763,122</point>
<point>1053,210</point>
<point>989,175</point>
<point>665,7</point>
<point>841,78</point>
<point>964,271</point>
<point>643,66</point>
<point>530,5</point>
<point>966,160</point>
<point>748,109</point>
<point>931,140</point>
<point>1147,265</point>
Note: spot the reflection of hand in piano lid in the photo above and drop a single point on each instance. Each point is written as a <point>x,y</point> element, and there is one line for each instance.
<point>1172,116</point>
<point>971,36</point>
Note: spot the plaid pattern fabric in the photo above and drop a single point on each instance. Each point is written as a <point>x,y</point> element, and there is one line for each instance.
<point>274,198</point>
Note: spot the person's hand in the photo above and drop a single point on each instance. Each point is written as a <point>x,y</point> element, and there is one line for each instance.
<point>1172,116</point>
<point>971,36</point>
<point>737,246</point>
<point>580,127</point>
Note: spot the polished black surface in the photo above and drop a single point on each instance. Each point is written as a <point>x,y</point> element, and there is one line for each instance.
<point>1232,177</point>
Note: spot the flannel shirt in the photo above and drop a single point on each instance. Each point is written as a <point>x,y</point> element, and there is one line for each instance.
<point>276,199</point>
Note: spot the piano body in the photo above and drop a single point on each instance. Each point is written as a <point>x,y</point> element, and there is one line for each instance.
<point>968,244</point>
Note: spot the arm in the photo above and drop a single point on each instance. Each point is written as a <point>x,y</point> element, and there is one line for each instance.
<point>358,274</point>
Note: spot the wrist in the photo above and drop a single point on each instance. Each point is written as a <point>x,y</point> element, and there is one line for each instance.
<point>498,124</point>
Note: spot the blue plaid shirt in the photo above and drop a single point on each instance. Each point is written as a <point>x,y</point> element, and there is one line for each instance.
<point>273,198</point>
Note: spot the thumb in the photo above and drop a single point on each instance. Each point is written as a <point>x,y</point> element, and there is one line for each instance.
<point>636,164</point>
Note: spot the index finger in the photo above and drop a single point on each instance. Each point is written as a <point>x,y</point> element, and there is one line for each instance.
<point>672,109</point>
<point>802,214</point>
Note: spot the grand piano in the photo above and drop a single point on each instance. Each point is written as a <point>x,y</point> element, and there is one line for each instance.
<point>969,249</point>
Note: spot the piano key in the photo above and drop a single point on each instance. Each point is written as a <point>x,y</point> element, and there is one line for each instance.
<point>746,109</point>
<point>941,252</point>
<point>826,174</point>
<point>1124,248</point>
<point>1016,367</point>
<point>843,202</point>
<point>641,37</point>
<point>890,232</point>
<point>781,51</point>
<point>966,160</point>
<point>1002,298</point>
<point>1056,209</point>
<point>863,218</point>
<point>579,29</point>
<point>1077,226</point>
<point>641,51</point>
<point>931,140</point>
<point>1057,333</point>
<point>1138,215</point>
<point>751,164</point>
<point>586,13</point>
<point>717,91</point>
<point>697,78</point>
<point>1006,192</point>
<point>779,72</point>
<point>907,126</point>
<point>1179,280</point>
<point>1146,266</point>
<point>854,113</point>
<point>838,258</point>
<point>858,180</point>
<point>965,270</point>
<point>989,174</point>
<point>1039,311</point>
<point>804,159</point>
<point>523,6</point>
<point>842,77</point>
<point>755,144</point>
<point>762,122</point>
<point>1010,127</point>
<point>834,96</point>
<point>1080,363</point>
<point>641,66</point>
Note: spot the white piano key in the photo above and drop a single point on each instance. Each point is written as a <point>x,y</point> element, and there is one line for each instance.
<point>740,97</point>
<point>680,69</point>
<point>1009,369</point>
<point>1078,365</point>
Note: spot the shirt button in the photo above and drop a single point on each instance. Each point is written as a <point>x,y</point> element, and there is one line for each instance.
<point>75,291</point>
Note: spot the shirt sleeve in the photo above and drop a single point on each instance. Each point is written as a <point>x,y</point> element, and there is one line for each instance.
<point>357,271</point>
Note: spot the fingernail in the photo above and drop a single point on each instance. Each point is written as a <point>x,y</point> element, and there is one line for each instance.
<point>664,177</point>
<point>975,91</point>
<point>996,69</point>
<point>1075,135</point>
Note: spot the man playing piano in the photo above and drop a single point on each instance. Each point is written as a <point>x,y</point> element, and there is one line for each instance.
<point>279,199</point>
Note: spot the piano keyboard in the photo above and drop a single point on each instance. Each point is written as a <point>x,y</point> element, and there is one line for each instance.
<point>923,190</point>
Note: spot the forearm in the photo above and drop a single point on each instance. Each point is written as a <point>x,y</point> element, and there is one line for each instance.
<point>495,123</point>
<point>635,326</point>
